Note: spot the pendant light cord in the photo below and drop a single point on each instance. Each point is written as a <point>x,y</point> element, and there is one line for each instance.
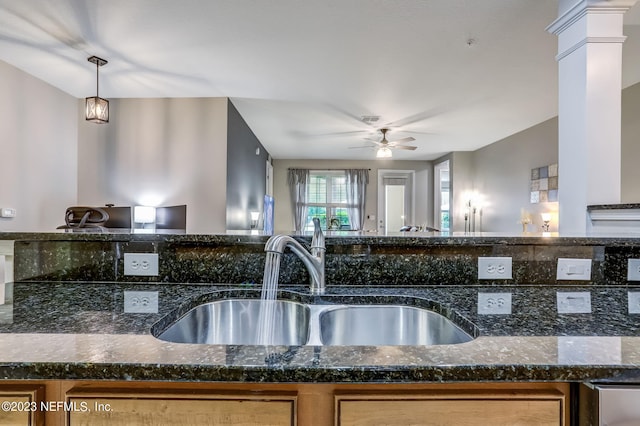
<point>97,78</point>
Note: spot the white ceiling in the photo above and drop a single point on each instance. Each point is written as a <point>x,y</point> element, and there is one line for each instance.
<point>454,74</point>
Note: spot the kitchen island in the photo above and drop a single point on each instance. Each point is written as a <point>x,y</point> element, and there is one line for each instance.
<point>71,338</point>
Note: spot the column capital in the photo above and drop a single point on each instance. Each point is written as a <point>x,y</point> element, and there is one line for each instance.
<point>570,11</point>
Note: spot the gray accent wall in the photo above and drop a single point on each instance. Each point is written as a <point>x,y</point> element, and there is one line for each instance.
<point>246,171</point>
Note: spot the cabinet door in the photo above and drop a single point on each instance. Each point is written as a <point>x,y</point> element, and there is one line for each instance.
<point>455,410</point>
<point>180,409</point>
<point>21,405</point>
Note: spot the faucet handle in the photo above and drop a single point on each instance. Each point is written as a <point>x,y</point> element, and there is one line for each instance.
<point>317,242</point>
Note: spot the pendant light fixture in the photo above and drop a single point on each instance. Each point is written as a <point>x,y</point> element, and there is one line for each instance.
<point>96,108</point>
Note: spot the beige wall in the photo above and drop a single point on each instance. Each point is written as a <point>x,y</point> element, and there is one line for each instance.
<point>51,159</point>
<point>461,186</point>
<point>38,151</point>
<point>503,175</point>
<point>283,218</point>
<point>502,169</point>
<point>630,188</point>
<point>158,152</point>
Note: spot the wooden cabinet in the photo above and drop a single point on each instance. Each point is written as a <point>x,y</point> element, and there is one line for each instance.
<point>21,405</point>
<point>96,403</point>
<point>455,408</point>
<point>164,408</point>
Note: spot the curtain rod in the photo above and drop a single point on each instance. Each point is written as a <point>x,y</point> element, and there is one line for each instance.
<point>324,169</point>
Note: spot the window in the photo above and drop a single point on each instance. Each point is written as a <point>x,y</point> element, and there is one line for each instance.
<point>327,200</point>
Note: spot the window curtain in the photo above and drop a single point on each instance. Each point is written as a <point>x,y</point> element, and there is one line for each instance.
<point>357,180</point>
<point>298,180</point>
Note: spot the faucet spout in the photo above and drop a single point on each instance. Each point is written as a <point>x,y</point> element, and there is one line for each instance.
<point>314,261</point>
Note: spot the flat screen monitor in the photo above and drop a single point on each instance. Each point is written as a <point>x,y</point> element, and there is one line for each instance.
<point>119,217</point>
<point>172,217</point>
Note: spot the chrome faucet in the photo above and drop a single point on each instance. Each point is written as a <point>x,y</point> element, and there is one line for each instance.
<point>314,261</point>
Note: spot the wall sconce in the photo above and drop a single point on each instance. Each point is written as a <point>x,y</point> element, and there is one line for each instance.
<point>96,108</point>
<point>144,214</point>
<point>546,218</point>
<point>255,216</point>
<point>384,152</point>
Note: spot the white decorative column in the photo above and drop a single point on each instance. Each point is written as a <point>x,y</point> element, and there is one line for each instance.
<point>589,84</point>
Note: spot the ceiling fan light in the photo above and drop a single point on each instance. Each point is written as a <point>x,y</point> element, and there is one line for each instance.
<point>383,152</point>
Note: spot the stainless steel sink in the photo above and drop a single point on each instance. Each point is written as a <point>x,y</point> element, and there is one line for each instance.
<point>240,322</point>
<point>379,325</point>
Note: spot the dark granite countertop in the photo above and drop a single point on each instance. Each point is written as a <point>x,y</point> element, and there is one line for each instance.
<point>79,331</point>
<point>613,206</point>
<point>337,238</point>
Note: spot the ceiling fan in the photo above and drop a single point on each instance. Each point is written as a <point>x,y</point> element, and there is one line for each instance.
<point>385,146</point>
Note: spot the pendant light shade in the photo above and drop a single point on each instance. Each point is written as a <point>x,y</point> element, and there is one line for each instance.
<point>96,108</point>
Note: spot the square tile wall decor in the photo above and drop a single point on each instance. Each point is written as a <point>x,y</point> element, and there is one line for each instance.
<point>544,184</point>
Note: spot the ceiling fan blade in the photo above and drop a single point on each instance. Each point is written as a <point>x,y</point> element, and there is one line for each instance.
<point>403,140</point>
<point>376,142</point>
<point>409,148</point>
<point>417,132</point>
<point>359,147</point>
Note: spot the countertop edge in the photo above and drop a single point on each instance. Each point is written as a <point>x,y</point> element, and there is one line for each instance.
<point>280,374</point>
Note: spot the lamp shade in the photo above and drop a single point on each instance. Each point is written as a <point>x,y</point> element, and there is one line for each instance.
<point>144,214</point>
<point>384,152</point>
<point>97,110</point>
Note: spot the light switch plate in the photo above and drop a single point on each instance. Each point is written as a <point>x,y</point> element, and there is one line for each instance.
<point>7,212</point>
<point>494,268</point>
<point>494,303</point>
<point>141,302</point>
<point>573,302</point>
<point>633,270</point>
<point>574,269</point>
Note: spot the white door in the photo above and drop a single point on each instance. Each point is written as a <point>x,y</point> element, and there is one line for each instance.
<point>394,214</point>
<point>395,199</point>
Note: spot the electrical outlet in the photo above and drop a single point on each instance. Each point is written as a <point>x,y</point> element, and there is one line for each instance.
<point>633,270</point>
<point>141,264</point>
<point>634,302</point>
<point>574,269</point>
<point>7,212</point>
<point>141,302</point>
<point>494,303</point>
<point>573,302</point>
<point>494,268</point>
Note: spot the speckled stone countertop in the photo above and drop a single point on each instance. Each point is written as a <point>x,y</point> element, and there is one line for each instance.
<point>613,206</point>
<point>79,331</point>
<point>336,238</point>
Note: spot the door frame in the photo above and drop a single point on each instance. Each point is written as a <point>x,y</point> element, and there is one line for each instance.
<point>408,174</point>
<point>437,193</point>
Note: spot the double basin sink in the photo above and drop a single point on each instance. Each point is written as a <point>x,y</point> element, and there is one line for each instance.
<point>240,321</point>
